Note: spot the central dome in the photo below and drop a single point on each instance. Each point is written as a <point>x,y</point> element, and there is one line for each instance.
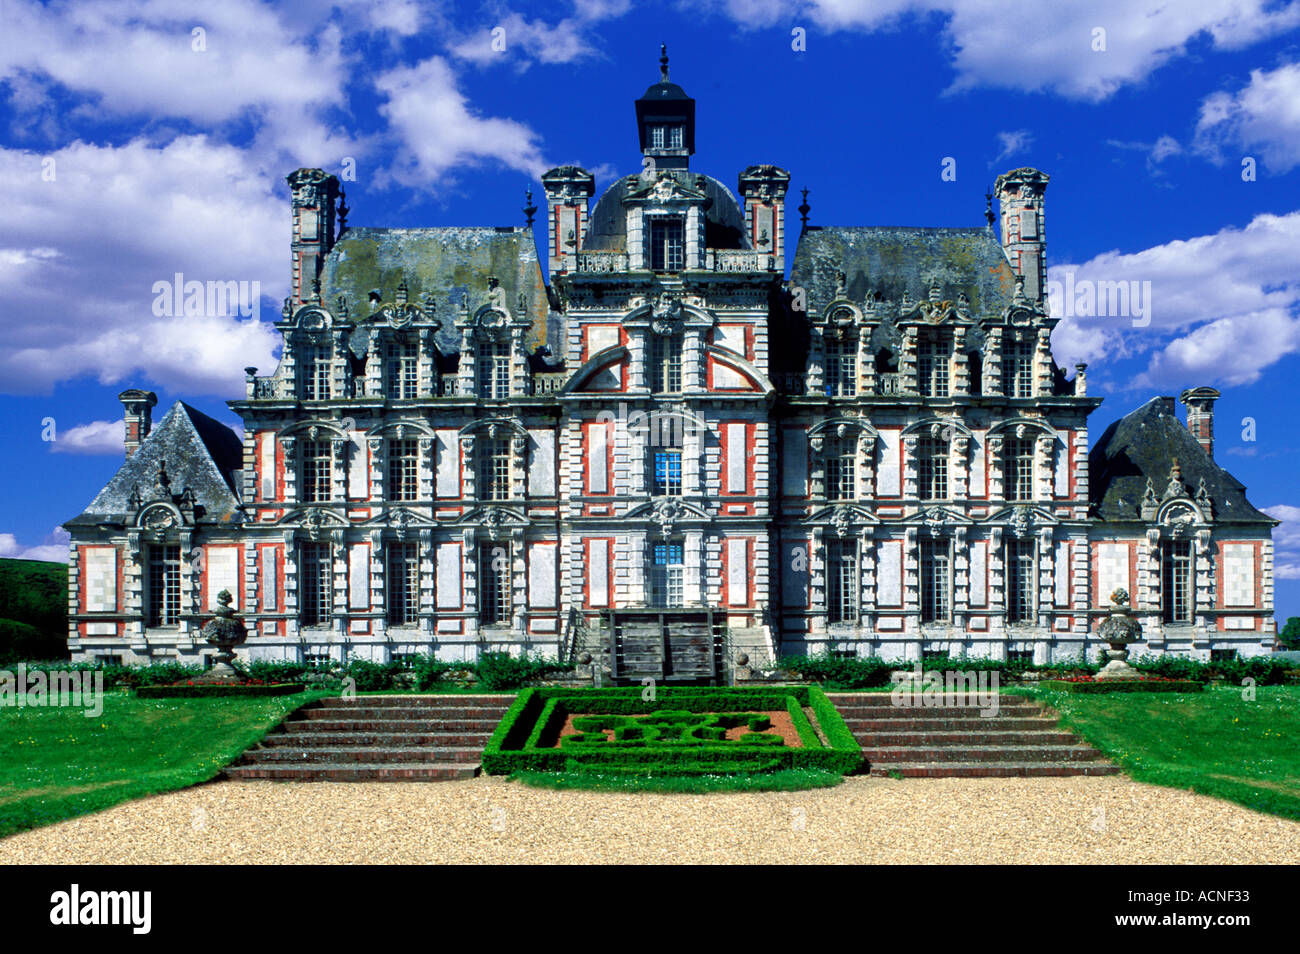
<point>724,220</point>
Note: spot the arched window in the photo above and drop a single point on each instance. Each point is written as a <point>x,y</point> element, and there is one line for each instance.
<point>842,468</point>
<point>932,468</point>
<point>1018,468</point>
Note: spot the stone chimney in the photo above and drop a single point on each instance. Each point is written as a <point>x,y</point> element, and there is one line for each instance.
<point>1200,415</point>
<point>1024,234</point>
<point>139,416</point>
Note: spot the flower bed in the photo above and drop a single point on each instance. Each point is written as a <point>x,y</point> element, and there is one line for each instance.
<point>681,731</point>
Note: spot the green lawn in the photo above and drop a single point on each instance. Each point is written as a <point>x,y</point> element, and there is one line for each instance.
<point>1212,742</point>
<point>55,763</point>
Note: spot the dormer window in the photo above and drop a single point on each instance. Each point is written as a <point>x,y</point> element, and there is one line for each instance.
<point>841,367</point>
<point>1018,369</point>
<point>667,244</point>
<point>401,369</point>
<point>494,370</point>
<point>314,372</point>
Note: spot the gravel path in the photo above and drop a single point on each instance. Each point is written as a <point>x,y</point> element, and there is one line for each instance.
<point>865,820</point>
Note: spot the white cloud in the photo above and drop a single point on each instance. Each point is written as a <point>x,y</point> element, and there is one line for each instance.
<point>1022,44</point>
<point>1263,116</point>
<point>1223,306</point>
<point>97,437</point>
<point>142,57</point>
<point>1012,143</point>
<point>441,131</point>
<point>1286,541</point>
<point>514,39</point>
<point>53,549</point>
<point>82,252</point>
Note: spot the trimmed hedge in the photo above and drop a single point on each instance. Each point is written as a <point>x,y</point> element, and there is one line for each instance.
<point>1117,685</point>
<point>216,691</point>
<point>514,746</point>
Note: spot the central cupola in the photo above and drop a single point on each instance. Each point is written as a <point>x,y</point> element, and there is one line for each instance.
<point>665,121</point>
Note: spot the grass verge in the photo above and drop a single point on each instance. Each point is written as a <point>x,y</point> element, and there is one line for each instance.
<point>1213,742</point>
<point>55,763</point>
<point>781,780</point>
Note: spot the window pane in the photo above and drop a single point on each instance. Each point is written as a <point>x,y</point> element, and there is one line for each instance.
<point>403,583</point>
<point>666,569</point>
<point>1020,581</point>
<point>403,470</point>
<point>935,602</point>
<point>316,582</point>
<point>932,468</point>
<point>668,473</point>
<point>164,585</point>
<point>1176,577</point>
<point>842,594</point>
<point>667,244</point>
<point>317,471</point>
<point>494,600</point>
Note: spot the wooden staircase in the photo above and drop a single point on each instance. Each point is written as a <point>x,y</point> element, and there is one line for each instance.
<point>666,645</point>
<point>377,739</point>
<point>955,741</point>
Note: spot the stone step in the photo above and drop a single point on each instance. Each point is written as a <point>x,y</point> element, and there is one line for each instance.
<point>992,769</point>
<point>444,701</point>
<point>999,723</point>
<point>973,739</point>
<point>934,712</point>
<point>353,772</point>
<point>364,754</point>
<point>428,739</point>
<point>295,726</point>
<point>396,712</point>
<point>986,753</point>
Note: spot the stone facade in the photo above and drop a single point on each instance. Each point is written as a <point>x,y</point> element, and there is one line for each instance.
<point>878,456</point>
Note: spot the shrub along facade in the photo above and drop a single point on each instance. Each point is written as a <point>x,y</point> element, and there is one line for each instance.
<point>668,442</point>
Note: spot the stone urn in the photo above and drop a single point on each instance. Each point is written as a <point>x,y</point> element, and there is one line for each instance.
<point>225,631</point>
<point>1119,629</point>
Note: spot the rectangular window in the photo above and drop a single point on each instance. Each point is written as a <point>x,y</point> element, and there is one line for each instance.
<point>841,469</point>
<point>665,364</point>
<point>936,604</point>
<point>1020,581</point>
<point>315,584</point>
<point>932,367</point>
<point>932,468</point>
<point>403,582</point>
<point>494,370</point>
<point>1176,577</point>
<point>401,370</point>
<point>403,469</point>
<point>314,372</point>
<point>666,568</point>
<point>842,593</point>
<point>668,473</point>
<point>841,367</point>
<point>317,471</point>
<point>1018,369</point>
<point>494,602</point>
<point>164,585</point>
<point>1018,469</point>
<point>667,244</point>
<point>656,137</point>
<point>493,468</point>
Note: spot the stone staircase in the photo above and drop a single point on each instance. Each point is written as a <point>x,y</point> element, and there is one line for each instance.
<point>377,739</point>
<point>951,741</point>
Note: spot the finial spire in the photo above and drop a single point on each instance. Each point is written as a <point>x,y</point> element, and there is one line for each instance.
<point>529,210</point>
<point>988,208</point>
<point>804,208</point>
<point>663,62</point>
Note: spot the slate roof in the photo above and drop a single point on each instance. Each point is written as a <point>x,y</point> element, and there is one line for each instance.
<point>1144,444</point>
<point>446,261</point>
<point>201,454</point>
<point>890,259</point>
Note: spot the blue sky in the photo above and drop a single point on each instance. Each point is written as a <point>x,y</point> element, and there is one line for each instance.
<point>141,138</point>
